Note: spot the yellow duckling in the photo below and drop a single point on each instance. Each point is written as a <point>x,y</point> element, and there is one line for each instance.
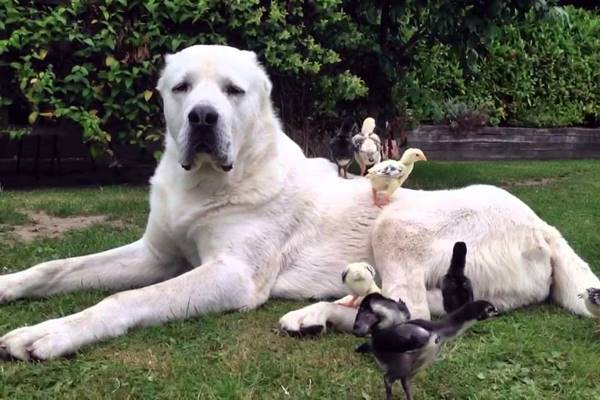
<point>389,175</point>
<point>359,278</point>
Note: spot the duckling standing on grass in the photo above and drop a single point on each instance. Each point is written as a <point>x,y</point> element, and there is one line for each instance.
<point>456,287</point>
<point>402,349</point>
<point>591,297</point>
<point>360,279</point>
<point>341,146</point>
<point>387,176</point>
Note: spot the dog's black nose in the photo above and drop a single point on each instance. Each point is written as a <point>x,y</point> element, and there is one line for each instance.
<point>203,116</point>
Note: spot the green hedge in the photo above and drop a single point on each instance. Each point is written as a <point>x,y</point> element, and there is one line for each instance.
<point>535,73</point>
<point>96,62</point>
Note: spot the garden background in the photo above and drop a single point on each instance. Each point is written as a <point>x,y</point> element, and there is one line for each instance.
<point>94,64</point>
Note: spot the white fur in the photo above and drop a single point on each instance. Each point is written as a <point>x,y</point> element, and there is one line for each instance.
<point>281,225</point>
<point>369,150</point>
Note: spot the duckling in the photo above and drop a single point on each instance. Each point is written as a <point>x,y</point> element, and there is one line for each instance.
<point>591,297</point>
<point>408,160</point>
<point>367,145</point>
<point>385,177</point>
<point>342,148</point>
<point>368,126</point>
<point>402,349</point>
<point>360,279</point>
<point>456,287</point>
<point>389,175</point>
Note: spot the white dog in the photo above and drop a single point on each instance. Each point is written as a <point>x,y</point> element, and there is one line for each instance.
<point>238,215</point>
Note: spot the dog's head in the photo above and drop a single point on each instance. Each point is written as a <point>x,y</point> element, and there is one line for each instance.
<point>213,96</point>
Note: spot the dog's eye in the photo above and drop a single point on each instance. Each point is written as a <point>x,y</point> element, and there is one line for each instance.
<point>181,87</point>
<point>234,90</point>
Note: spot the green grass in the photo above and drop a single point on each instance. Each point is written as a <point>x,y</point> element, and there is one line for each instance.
<point>540,352</point>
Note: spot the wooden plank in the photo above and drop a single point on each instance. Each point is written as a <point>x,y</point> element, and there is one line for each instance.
<point>506,143</point>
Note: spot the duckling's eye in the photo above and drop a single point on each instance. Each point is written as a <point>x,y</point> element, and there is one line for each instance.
<point>181,87</point>
<point>234,90</point>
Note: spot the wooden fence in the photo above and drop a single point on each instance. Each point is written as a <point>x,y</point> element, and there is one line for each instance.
<point>56,156</point>
<point>504,143</point>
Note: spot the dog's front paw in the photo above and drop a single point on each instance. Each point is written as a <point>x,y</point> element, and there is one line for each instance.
<point>43,341</point>
<point>307,321</point>
<point>7,290</point>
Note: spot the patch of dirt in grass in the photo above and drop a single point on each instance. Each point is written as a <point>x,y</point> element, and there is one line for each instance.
<point>157,360</point>
<point>41,224</point>
<point>532,182</point>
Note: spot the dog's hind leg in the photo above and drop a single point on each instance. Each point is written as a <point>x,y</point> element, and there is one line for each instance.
<point>435,302</point>
<point>400,260</point>
<point>133,265</point>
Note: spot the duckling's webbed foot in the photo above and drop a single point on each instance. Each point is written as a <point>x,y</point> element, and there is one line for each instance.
<point>386,199</point>
<point>363,169</point>
<point>348,301</point>
<point>375,197</point>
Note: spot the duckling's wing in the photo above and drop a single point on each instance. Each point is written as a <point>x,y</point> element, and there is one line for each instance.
<point>594,296</point>
<point>395,171</point>
<point>407,337</point>
<point>388,169</point>
<point>357,141</point>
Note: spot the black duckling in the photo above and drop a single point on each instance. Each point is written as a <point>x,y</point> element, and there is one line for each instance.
<point>341,146</point>
<point>456,287</point>
<point>398,313</point>
<point>404,348</point>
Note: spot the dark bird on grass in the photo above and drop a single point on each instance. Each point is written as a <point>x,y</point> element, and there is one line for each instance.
<point>456,287</point>
<point>591,297</point>
<point>341,146</point>
<point>402,349</point>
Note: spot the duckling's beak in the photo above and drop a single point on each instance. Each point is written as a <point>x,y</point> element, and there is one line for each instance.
<point>581,295</point>
<point>424,158</point>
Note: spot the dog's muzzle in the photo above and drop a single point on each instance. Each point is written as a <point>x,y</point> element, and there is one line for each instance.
<point>203,137</point>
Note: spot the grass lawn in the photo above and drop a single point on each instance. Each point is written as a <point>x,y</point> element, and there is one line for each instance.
<point>537,353</point>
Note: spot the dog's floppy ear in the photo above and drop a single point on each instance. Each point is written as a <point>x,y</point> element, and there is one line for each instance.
<point>267,85</point>
<point>161,80</point>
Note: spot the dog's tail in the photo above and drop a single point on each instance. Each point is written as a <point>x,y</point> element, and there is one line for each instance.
<point>571,275</point>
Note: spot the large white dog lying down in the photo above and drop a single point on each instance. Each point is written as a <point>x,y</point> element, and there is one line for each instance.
<point>239,215</point>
